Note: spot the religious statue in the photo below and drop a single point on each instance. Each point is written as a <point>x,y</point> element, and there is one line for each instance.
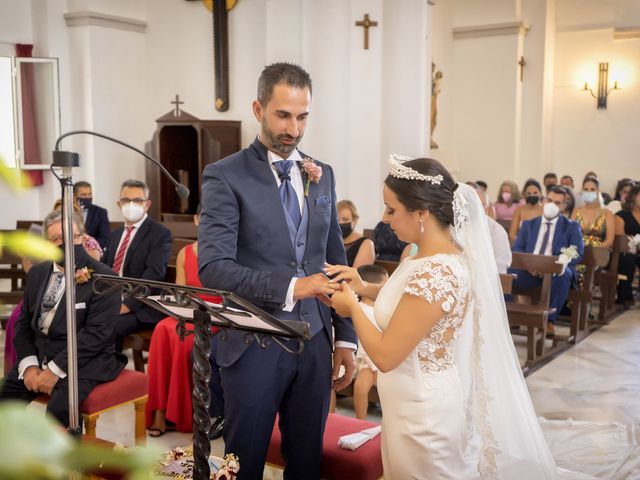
<point>436,78</point>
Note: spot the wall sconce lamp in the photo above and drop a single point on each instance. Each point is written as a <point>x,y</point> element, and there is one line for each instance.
<point>603,86</point>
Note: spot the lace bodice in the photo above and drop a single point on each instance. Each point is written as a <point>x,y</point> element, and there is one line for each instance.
<point>441,279</point>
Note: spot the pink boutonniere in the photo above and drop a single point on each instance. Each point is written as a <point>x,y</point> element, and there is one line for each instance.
<point>83,275</point>
<point>312,173</point>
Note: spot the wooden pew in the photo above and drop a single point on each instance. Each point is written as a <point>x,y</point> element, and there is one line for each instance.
<point>534,316</point>
<point>11,269</point>
<point>182,229</point>
<point>593,259</point>
<point>506,282</point>
<point>607,280</point>
<point>368,232</point>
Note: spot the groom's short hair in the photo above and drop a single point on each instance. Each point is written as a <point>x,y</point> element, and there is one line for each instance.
<point>281,72</point>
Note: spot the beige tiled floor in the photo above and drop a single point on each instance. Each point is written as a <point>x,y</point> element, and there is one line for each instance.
<point>588,401</point>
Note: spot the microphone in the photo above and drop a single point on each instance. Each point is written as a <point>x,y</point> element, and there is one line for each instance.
<point>69,159</point>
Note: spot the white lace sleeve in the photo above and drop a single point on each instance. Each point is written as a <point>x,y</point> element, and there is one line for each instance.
<point>436,283</point>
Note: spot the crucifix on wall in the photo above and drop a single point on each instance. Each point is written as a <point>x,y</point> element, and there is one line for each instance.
<point>219,9</point>
<point>522,63</point>
<point>366,23</point>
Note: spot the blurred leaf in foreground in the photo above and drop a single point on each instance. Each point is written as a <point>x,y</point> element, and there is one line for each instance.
<point>14,177</point>
<point>25,244</point>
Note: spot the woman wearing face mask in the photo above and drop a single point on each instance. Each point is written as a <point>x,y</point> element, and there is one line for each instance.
<point>622,190</point>
<point>508,200</point>
<point>360,250</point>
<point>627,223</point>
<point>596,222</point>
<point>531,209</point>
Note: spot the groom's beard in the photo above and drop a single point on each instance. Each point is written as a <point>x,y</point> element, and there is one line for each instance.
<point>274,142</point>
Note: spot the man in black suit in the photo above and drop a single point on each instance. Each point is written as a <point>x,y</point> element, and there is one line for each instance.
<point>41,330</point>
<point>96,219</point>
<point>139,249</point>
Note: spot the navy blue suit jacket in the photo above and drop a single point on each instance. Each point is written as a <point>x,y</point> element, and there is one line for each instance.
<point>244,244</point>
<point>97,224</point>
<point>147,258</point>
<point>567,233</point>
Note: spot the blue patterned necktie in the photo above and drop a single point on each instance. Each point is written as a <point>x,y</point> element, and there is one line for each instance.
<point>545,239</point>
<point>288,194</point>
<point>51,296</point>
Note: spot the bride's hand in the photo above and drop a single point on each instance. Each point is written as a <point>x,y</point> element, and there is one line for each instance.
<point>343,273</point>
<point>344,301</point>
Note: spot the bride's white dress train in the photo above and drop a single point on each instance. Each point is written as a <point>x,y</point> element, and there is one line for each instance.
<point>457,407</point>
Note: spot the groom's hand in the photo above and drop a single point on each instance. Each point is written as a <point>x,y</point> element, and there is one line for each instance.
<point>346,357</point>
<point>316,285</point>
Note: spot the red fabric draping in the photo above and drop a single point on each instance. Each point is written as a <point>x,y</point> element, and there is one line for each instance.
<point>29,127</point>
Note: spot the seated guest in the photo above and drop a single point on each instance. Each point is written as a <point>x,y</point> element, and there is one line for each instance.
<point>360,250</point>
<point>570,203</point>
<point>387,245</point>
<point>96,219</point>
<point>41,330</point>
<point>366,371</point>
<point>622,190</point>
<point>550,180</point>
<point>627,222</point>
<point>531,209</point>
<point>596,222</point>
<point>547,235</point>
<point>488,206</point>
<point>139,249</point>
<point>169,365</point>
<point>567,181</point>
<point>90,244</point>
<point>499,238</point>
<point>507,202</point>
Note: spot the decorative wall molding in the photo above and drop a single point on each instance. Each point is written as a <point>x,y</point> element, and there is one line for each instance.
<point>626,33</point>
<point>82,18</point>
<point>477,31</point>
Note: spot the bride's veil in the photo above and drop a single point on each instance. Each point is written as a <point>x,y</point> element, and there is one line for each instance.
<point>505,438</point>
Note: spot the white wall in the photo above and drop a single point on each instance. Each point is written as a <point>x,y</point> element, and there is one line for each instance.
<point>585,138</point>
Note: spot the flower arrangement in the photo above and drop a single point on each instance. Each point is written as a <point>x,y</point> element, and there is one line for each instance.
<point>83,275</point>
<point>567,254</point>
<point>634,243</point>
<point>229,468</point>
<point>312,173</point>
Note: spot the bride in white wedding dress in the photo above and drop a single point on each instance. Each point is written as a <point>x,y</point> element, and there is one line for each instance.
<point>454,401</point>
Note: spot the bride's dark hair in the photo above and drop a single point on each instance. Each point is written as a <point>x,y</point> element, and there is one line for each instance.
<point>423,195</point>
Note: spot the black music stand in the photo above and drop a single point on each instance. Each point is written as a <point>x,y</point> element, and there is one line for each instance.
<point>234,313</point>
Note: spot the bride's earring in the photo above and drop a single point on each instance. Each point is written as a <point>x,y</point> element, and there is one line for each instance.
<point>421,226</point>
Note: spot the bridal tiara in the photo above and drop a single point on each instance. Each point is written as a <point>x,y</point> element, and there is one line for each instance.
<point>398,170</point>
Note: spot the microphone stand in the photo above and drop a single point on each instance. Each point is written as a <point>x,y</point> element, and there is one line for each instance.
<point>67,161</point>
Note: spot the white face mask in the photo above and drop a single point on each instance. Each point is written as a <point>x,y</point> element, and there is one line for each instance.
<point>132,212</point>
<point>589,197</point>
<point>550,210</point>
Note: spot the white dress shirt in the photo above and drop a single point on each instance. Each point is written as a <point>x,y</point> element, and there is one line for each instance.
<point>501,246</point>
<point>541,232</point>
<point>136,227</point>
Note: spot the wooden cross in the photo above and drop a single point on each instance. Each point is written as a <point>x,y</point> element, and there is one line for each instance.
<point>366,23</point>
<point>522,64</point>
<point>177,103</point>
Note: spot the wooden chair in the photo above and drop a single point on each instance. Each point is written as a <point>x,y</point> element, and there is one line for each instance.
<point>138,342</point>
<point>607,280</point>
<point>387,265</point>
<point>581,298</point>
<point>128,387</point>
<point>11,269</point>
<point>25,224</point>
<point>533,316</point>
<point>506,281</point>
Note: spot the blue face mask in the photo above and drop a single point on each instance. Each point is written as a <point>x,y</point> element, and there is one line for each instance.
<point>589,197</point>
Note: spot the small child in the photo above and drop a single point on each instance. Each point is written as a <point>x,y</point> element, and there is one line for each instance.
<point>366,371</point>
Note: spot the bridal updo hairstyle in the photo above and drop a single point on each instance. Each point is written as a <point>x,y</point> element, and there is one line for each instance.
<point>423,195</point>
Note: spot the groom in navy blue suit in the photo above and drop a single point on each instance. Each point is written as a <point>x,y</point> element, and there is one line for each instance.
<point>547,235</point>
<point>267,228</point>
